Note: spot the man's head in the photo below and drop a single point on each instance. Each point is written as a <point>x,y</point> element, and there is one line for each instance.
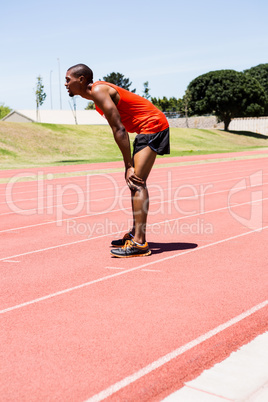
<point>77,79</point>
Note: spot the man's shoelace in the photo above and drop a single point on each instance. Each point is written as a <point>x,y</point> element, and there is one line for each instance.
<point>128,243</point>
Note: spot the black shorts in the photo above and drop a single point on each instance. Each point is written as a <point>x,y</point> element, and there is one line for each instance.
<point>158,142</point>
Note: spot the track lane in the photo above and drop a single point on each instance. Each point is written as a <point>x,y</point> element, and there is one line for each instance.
<point>80,342</point>
<point>132,327</point>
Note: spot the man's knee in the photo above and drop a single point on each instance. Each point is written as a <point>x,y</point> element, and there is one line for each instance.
<point>138,188</point>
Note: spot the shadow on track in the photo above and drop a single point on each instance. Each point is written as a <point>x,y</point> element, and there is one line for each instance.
<point>249,134</point>
<point>158,248</point>
<point>75,161</point>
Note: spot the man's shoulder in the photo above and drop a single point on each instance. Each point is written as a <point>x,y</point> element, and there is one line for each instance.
<point>101,87</point>
<point>98,85</point>
<point>99,90</point>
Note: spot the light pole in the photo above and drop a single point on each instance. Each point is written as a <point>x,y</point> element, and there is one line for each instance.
<point>59,83</point>
<point>51,89</point>
<point>75,118</point>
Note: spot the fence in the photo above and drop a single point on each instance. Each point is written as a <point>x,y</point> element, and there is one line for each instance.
<point>254,124</point>
<point>204,122</point>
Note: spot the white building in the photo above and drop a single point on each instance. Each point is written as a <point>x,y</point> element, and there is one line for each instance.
<point>56,117</point>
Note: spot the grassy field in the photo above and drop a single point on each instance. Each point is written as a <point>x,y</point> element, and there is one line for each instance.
<point>32,144</point>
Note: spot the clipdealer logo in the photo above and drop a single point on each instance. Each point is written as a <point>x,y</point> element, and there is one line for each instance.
<point>254,183</point>
<point>52,197</point>
<point>68,202</point>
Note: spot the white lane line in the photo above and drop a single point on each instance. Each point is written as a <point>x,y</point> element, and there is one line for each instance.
<point>10,261</point>
<point>162,167</point>
<point>248,362</point>
<point>158,181</point>
<point>172,355</point>
<point>112,211</point>
<point>116,233</point>
<point>114,268</point>
<point>26,211</point>
<point>105,278</point>
<point>54,247</point>
<point>63,220</point>
<point>204,174</point>
<point>157,171</point>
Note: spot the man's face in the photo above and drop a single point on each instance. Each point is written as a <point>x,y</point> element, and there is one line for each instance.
<point>72,84</point>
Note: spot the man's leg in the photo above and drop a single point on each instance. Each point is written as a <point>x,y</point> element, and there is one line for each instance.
<point>143,163</point>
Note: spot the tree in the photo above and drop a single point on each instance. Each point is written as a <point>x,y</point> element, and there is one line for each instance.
<point>90,106</point>
<point>119,80</point>
<point>169,106</point>
<point>260,73</point>
<point>184,106</point>
<point>146,90</point>
<point>40,95</point>
<point>4,110</point>
<point>156,102</point>
<point>227,94</point>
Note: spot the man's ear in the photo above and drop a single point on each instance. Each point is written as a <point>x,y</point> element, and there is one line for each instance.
<point>81,79</point>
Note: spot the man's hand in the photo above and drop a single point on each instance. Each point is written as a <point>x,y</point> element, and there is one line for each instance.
<point>133,181</point>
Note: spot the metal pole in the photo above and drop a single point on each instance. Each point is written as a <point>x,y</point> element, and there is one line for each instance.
<point>75,118</point>
<point>51,90</point>
<point>59,83</point>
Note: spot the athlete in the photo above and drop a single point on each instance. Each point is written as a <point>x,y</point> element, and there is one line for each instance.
<point>126,113</point>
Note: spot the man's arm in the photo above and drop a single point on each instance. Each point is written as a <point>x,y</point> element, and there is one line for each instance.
<point>102,98</point>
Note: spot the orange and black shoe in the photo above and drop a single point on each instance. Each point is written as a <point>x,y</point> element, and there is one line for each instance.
<point>121,242</point>
<point>131,249</point>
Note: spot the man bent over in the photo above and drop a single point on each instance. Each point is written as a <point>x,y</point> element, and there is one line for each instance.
<point>126,113</point>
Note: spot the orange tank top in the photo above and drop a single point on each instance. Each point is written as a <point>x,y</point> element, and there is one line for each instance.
<point>138,115</point>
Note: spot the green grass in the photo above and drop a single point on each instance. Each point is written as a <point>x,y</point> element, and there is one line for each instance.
<point>32,144</point>
<point>197,141</point>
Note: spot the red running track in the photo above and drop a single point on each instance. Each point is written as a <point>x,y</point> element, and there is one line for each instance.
<point>77,324</point>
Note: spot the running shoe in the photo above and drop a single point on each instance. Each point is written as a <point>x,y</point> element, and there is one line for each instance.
<point>131,249</point>
<point>121,242</point>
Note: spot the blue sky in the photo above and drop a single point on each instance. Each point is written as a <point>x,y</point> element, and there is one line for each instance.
<point>167,42</point>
